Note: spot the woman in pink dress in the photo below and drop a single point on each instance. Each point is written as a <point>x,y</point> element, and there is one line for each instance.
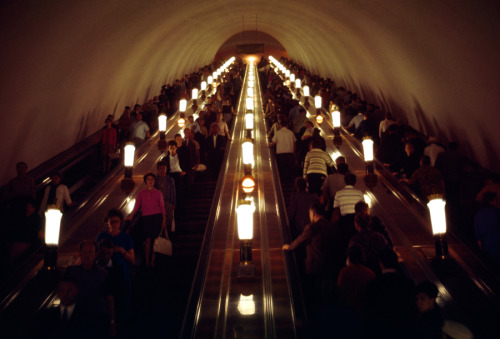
<point>153,219</point>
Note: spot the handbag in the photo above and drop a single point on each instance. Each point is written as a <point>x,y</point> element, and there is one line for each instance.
<point>162,244</point>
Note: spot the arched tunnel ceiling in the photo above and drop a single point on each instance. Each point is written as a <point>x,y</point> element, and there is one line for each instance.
<point>67,64</point>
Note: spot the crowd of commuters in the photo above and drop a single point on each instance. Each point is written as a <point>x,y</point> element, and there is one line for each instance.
<point>96,296</point>
<point>346,253</point>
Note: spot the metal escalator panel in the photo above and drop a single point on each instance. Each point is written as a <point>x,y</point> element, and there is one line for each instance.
<point>222,303</point>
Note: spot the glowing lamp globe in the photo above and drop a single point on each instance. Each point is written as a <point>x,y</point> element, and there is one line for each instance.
<point>319,119</point>
<point>244,213</point>
<point>162,122</point>
<point>438,215</point>
<point>317,102</point>
<point>129,151</point>
<point>247,152</point>
<point>336,119</point>
<point>182,105</point>
<point>368,149</point>
<point>53,218</point>
<point>194,94</point>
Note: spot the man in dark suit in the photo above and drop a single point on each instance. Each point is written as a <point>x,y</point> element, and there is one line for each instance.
<point>66,320</point>
<point>215,149</point>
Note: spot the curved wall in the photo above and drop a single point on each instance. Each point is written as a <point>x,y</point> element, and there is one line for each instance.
<point>67,64</point>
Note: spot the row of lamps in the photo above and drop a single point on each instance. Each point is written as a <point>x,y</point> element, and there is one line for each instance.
<point>436,204</point>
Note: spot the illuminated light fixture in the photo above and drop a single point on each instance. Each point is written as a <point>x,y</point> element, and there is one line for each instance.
<point>287,83</point>
<point>292,77</point>
<point>368,149</point>
<point>194,94</point>
<point>247,152</point>
<point>182,108</point>
<point>182,121</point>
<point>162,123</point>
<point>210,79</point>
<point>162,128</point>
<point>319,119</point>
<point>203,87</point>
<point>250,92</point>
<point>437,212</point>
<point>251,78</point>
<point>370,177</point>
<point>246,305</point>
<point>249,121</point>
<point>287,73</point>
<point>127,184</point>
<point>298,84</point>
<point>251,84</point>
<point>337,139</point>
<point>53,218</point>
<point>215,75</point>
<point>305,89</point>
<point>129,154</point>
<point>248,184</point>
<point>245,221</point>
<point>182,105</point>
<point>336,119</point>
<point>244,214</point>
<point>317,102</point>
<point>249,104</point>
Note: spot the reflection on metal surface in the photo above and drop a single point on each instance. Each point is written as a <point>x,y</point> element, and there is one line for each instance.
<point>130,203</point>
<point>246,305</point>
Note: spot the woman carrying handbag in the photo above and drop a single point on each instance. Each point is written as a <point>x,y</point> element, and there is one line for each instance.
<point>150,201</point>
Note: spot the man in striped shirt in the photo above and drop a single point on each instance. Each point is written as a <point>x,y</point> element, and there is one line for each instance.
<point>343,207</point>
<point>316,166</point>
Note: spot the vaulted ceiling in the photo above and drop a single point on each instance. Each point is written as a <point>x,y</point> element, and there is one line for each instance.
<point>65,65</point>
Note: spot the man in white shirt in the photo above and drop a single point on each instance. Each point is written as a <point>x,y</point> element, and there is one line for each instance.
<point>139,131</point>
<point>284,140</point>
<point>384,124</point>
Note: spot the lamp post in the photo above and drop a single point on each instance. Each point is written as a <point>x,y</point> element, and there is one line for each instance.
<point>370,177</point>
<point>53,218</point>
<point>244,213</point>
<point>249,104</point>
<point>182,109</point>
<point>210,80</point>
<point>305,89</point>
<point>203,90</point>
<point>317,104</point>
<point>436,207</point>
<point>127,184</point>
<point>298,84</point>
<point>194,97</point>
<point>337,139</point>
<point>162,128</point>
